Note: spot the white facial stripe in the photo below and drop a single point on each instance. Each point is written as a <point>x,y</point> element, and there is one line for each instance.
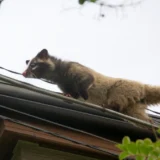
<point>35,67</point>
<point>90,86</point>
<point>31,61</point>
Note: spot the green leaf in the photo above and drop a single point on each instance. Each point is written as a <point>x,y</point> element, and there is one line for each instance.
<point>81,1</point>
<point>140,157</point>
<point>139,142</point>
<point>146,149</point>
<point>155,152</point>
<point>158,130</point>
<point>152,158</point>
<point>132,148</point>
<point>126,140</point>
<point>157,143</point>
<point>121,147</point>
<point>148,141</point>
<point>93,0</point>
<point>123,155</point>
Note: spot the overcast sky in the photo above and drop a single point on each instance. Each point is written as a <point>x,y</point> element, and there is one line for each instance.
<point>126,43</point>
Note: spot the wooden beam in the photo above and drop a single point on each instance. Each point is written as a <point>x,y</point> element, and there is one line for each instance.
<point>7,142</point>
<point>25,133</point>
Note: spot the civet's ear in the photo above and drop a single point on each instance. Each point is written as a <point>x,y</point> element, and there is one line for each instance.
<point>27,61</point>
<point>43,54</point>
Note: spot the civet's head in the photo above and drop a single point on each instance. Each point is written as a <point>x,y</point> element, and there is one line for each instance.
<point>40,66</point>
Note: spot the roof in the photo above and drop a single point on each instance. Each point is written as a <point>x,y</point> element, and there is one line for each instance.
<point>27,108</point>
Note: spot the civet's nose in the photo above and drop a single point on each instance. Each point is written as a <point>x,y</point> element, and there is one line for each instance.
<point>24,73</point>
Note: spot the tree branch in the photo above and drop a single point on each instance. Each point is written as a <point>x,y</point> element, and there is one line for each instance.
<point>107,4</point>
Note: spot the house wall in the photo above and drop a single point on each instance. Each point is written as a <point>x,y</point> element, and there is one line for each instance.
<point>31,151</point>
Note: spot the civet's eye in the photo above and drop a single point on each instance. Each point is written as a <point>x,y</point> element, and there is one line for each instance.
<point>33,65</point>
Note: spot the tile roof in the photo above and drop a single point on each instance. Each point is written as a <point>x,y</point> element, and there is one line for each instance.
<point>69,114</point>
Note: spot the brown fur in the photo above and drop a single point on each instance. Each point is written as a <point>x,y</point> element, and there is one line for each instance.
<point>125,96</point>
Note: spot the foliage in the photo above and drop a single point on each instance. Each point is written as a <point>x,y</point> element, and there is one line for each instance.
<point>140,150</point>
<point>82,1</point>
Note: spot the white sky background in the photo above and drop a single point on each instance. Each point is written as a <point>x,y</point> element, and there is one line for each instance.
<point>124,44</point>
